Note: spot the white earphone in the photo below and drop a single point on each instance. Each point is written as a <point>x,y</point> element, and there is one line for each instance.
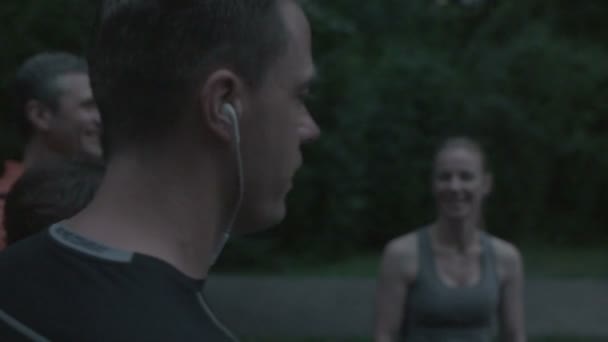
<point>232,116</point>
<point>230,112</point>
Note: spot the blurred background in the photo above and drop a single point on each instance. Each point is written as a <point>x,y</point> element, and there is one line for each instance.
<point>527,78</point>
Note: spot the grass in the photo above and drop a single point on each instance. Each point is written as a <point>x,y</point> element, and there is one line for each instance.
<point>327,339</point>
<point>304,339</point>
<point>567,339</point>
<point>566,262</point>
<point>540,261</point>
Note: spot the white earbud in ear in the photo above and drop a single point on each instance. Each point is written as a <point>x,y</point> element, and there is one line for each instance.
<point>231,114</point>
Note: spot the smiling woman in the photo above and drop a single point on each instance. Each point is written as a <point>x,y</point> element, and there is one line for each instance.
<point>447,281</point>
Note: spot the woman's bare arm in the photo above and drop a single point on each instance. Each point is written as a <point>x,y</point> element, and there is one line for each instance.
<point>511,310</point>
<point>396,273</point>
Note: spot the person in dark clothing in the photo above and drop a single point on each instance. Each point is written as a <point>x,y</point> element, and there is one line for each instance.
<point>56,115</point>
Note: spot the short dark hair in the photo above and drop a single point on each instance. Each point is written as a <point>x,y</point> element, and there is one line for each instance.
<point>48,193</point>
<point>36,79</point>
<point>148,56</point>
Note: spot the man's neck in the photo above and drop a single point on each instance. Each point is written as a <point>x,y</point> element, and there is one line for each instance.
<point>157,210</point>
<point>37,152</point>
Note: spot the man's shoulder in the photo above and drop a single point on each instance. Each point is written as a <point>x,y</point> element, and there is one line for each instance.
<point>48,290</point>
<point>24,267</point>
<point>63,295</point>
<point>24,251</point>
<point>21,265</point>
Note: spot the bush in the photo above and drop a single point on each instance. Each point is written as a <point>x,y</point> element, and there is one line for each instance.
<point>527,78</point>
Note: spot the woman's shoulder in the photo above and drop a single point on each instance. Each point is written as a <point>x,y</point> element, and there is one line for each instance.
<point>400,256</point>
<point>508,256</point>
<point>504,249</point>
<point>403,245</point>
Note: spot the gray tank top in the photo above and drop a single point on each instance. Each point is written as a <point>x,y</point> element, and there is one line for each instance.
<point>437,312</point>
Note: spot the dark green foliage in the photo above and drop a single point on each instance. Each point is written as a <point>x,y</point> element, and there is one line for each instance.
<point>528,78</point>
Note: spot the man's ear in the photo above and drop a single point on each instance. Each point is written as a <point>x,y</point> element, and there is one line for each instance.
<point>38,115</point>
<point>222,87</point>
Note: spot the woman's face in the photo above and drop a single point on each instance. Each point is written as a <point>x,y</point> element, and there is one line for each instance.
<point>460,183</point>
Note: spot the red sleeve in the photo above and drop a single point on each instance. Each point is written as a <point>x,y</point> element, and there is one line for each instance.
<point>2,231</point>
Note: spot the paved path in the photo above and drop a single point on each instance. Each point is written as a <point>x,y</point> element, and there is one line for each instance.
<point>343,307</point>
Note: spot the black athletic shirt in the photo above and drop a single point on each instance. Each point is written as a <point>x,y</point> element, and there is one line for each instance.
<point>59,286</point>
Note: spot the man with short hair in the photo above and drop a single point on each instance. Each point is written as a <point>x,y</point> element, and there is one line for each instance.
<point>56,113</point>
<point>204,116</point>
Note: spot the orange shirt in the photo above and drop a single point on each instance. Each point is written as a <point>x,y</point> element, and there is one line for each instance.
<point>12,172</point>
